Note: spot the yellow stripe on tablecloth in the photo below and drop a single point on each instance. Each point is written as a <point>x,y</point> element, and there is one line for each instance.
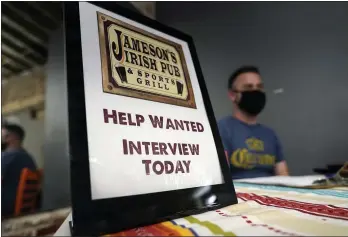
<point>180,230</point>
<point>214,228</point>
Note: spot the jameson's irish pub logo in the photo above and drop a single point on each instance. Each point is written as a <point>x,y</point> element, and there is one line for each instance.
<point>139,64</point>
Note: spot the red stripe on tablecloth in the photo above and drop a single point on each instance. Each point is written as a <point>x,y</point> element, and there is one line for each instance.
<point>222,213</point>
<point>309,208</point>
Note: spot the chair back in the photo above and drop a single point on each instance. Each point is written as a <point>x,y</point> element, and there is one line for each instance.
<point>27,192</point>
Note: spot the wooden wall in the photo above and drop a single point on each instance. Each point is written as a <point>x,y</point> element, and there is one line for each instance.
<point>26,91</point>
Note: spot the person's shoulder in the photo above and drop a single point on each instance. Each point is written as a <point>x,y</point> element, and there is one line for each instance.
<point>268,130</point>
<point>10,157</point>
<point>7,154</point>
<point>26,159</point>
<point>226,121</point>
<point>28,155</point>
<point>23,154</point>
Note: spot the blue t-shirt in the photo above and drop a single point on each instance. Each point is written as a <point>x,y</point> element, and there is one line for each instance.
<point>12,163</point>
<point>252,150</point>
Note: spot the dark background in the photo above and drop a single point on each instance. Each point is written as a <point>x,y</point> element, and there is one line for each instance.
<point>301,47</point>
<point>56,147</point>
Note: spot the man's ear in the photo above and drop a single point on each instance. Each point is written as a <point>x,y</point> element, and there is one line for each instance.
<point>232,95</point>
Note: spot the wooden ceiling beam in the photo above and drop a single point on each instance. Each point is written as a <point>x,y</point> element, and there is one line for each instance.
<point>21,47</point>
<point>32,87</point>
<point>146,8</point>
<point>11,68</point>
<point>44,12</point>
<point>7,21</point>
<point>9,40</point>
<point>52,8</point>
<point>14,62</point>
<point>13,40</point>
<point>26,16</point>
<point>5,71</point>
<point>16,56</point>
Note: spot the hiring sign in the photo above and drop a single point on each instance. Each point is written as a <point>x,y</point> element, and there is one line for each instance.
<point>145,113</point>
<point>142,129</point>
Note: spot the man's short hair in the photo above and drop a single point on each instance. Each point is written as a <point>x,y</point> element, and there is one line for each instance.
<point>239,71</point>
<point>16,129</point>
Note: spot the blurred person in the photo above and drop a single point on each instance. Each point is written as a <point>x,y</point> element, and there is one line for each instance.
<point>14,158</point>
<point>253,150</point>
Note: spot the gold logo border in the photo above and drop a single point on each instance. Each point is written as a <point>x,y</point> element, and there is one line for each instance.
<point>129,92</point>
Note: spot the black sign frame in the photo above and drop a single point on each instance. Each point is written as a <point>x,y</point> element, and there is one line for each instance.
<point>99,217</point>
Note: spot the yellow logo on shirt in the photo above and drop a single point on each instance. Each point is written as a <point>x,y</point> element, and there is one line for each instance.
<point>248,158</point>
<point>255,144</point>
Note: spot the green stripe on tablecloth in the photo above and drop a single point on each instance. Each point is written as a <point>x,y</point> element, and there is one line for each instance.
<point>215,229</point>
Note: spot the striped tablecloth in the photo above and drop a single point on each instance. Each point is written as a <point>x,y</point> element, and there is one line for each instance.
<point>35,224</point>
<point>264,210</point>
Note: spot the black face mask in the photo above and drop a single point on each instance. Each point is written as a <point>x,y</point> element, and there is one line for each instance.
<point>252,102</point>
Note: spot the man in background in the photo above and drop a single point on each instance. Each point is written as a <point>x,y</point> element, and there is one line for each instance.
<point>253,150</point>
<point>14,158</point>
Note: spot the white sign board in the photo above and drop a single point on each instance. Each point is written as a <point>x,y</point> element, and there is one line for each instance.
<point>148,130</point>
